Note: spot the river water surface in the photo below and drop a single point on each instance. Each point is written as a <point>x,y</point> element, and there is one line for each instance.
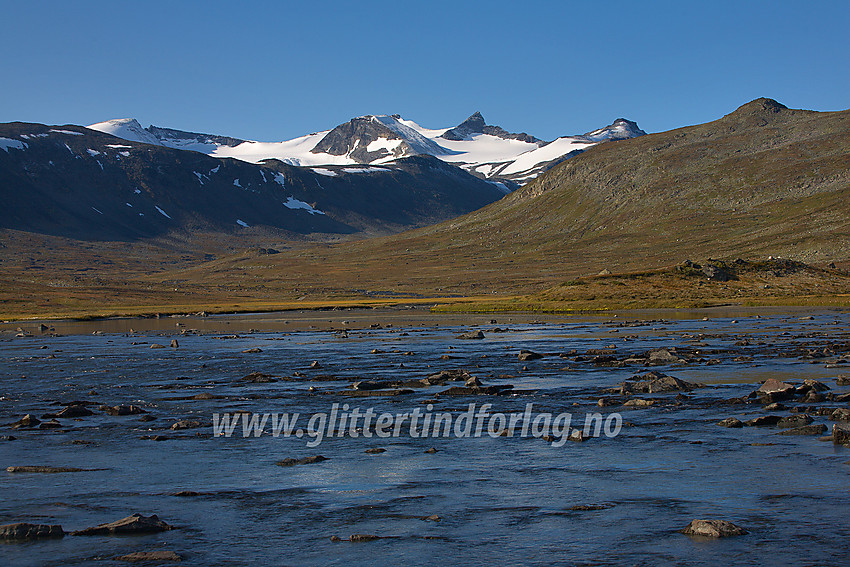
<point>507,500</point>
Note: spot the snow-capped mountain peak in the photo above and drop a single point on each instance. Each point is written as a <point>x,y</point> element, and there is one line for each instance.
<point>376,138</point>
<point>475,124</point>
<point>126,128</point>
<point>620,129</point>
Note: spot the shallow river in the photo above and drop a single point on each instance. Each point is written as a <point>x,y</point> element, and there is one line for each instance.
<point>503,500</point>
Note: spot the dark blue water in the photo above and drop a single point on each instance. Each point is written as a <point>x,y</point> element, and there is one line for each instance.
<point>501,501</point>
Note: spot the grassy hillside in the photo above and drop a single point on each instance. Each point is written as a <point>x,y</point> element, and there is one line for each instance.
<point>764,180</point>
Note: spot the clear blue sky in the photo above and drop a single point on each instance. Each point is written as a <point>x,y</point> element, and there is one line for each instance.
<point>277,70</point>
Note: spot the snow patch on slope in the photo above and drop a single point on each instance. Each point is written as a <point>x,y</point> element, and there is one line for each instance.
<point>70,132</point>
<point>7,143</point>
<point>293,203</point>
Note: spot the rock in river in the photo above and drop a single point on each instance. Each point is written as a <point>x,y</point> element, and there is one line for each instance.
<point>713,528</point>
<point>149,556</point>
<point>26,421</point>
<point>45,469</point>
<point>731,422</point>
<point>75,410</point>
<point>776,390</point>
<point>259,378</point>
<point>123,409</point>
<point>661,356</point>
<point>525,355</point>
<point>135,524</point>
<point>654,383</point>
<point>443,376</point>
<point>840,436</point>
<point>30,531</point>
<point>187,424</point>
<point>471,335</point>
<point>501,389</point>
<point>363,537</point>
<point>764,420</point>
<point>813,429</point>
<point>305,461</point>
<point>796,420</point>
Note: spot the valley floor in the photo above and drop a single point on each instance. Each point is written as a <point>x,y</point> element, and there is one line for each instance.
<point>61,280</point>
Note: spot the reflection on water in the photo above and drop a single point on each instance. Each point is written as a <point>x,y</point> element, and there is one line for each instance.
<point>505,501</point>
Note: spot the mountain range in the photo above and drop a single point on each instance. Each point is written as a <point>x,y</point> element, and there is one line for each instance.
<point>488,152</point>
<point>372,175</point>
<point>763,181</point>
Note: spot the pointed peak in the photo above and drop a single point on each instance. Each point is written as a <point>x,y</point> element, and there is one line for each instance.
<point>474,123</point>
<point>758,112</point>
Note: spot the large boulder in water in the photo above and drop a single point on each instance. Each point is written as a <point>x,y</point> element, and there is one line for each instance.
<point>774,390</point>
<point>713,528</point>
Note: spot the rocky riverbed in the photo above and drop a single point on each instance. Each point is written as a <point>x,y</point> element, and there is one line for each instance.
<point>734,446</point>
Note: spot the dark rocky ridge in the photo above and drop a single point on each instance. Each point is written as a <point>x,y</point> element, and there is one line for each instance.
<point>475,124</point>
<point>76,185</point>
<point>170,134</point>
